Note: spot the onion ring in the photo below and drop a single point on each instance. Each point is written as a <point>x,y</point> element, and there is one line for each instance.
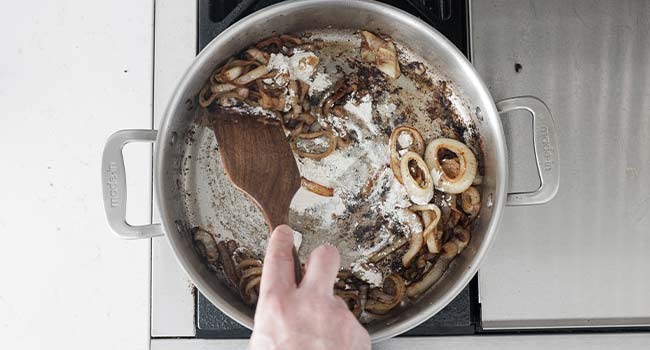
<point>331,144</point>
<point>466,158</point>
<point>417,146</point>
<point>205,101</point>
<point>315,187</point>
<point>418,193</point>
<point>351,299</point>
<point>384,302</point>
<point>449,252</point>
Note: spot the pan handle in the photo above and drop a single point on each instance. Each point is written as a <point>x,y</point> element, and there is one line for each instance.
<point>114,184</point>
<point>546,149</point>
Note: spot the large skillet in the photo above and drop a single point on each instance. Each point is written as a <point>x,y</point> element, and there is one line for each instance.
<point>172,140</point>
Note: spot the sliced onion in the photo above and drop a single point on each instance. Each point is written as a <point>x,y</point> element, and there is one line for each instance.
<point>221,88</point>
<point>471,201</point>
<point>384,302</point>
<point>461,238</point>
<point>466,158</point>
<point>331,144</point>
<point>290,39</point>
<point>351,299</point>
<point>250,262</point>
<point>449,251</point>
<point>231,74</point>
<point>316,188</point>
<point>252,75</point>
<point>206,96</point>
<point>294,99</point>
<point>227,263</point>
<point>430,217</point>
<point>380,52</point>
<point>419,194</point>
<point>416,146</point>
<point>386,60</point>
<point>258,55</point>
<point>207,246</point>
<point>415,244</point>
<point>380,255</point>
<point>366,190</point>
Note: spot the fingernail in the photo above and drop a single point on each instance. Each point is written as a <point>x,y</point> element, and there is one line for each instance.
<point>285,231</point>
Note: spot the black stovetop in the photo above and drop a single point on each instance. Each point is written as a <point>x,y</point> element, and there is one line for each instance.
<point>449,17</point>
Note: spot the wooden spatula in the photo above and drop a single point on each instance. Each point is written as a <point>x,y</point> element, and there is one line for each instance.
<point>259,162</point>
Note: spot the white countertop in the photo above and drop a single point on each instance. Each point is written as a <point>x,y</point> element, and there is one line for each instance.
<point>71,73</point>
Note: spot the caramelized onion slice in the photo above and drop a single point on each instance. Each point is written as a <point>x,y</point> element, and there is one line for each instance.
<point>380,255</point>
<point>467,165</point>
<point>471,201</point>
<point>449,251</point>
<point>252,75</point>
<point>418,193</point>
<point>351,299</point>
<point>461,238</point>
<point>317,188</point>
<point>380,52</point>
<point>431,215</point>
<point>417,145</point>
<point>331,144</point>
<point>207,246</point>
<point>230,74</point>
<point>382,301</point>
<point>258,55</point>
<point>415,244</point>
<point>227,263</point>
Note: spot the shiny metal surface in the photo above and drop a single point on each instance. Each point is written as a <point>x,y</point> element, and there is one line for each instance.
<point>545,146</point>
<point>114,185</point>
<point>314,14</point>
<point>582,259</point>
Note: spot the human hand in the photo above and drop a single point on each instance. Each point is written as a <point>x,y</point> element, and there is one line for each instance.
<point>308,316</point>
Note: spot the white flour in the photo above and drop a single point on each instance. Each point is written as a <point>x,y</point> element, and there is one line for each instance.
<point>386,109</point>
<point>258,111</point>
<point>405,140</point>
<point>300,66</point>
<point>320,83</point>
<point>367,272</point>
<point>363,111</point>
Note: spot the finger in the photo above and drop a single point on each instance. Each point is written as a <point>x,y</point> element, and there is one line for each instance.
<point>322,268</point>
<point>277,272</point>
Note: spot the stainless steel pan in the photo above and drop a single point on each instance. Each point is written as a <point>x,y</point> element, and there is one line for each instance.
<point>178,137</point>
